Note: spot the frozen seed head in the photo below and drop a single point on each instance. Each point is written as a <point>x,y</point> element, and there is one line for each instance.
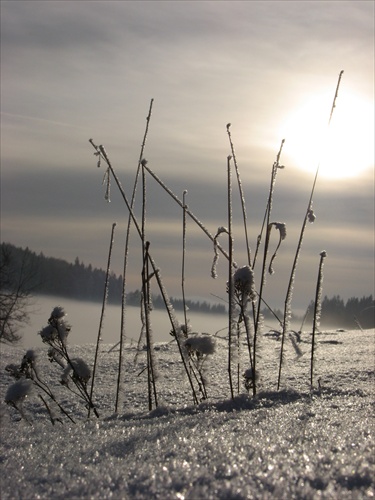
<point>28,361</point>
<point>228,126</point>
<point>49,334</point>
<point>249,374</point>
<point>144,162</point>
<point>58,313</point>
<point>30,355</point>
<point>81,372</point>
<point>18,391</point>
<point>203,345</point>
<point>243,279</point>
<point>323,254</point>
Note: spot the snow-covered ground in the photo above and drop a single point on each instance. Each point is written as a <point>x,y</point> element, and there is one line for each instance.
<point>292,443</point>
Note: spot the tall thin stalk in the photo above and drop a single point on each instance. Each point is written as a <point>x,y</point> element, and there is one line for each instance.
<point>230,277</point>
<point>266,223</point>
<point>267,213</point>
<point>105,296</point>
<point>175,328</point>
<point>146,305</point>
<point>183,259</point>
<point>188,211</point>
<point>242,196</point>
<point>309,216</point>
<point>126,254</point>
<point>101,150</point>
<point>317,311</point>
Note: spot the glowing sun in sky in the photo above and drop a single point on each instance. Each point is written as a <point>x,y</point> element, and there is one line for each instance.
<point>345,149</point>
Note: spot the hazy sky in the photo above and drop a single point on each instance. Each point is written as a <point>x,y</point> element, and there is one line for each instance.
<point>75,70</point>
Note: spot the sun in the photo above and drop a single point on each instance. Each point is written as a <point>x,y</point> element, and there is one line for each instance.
<point>344,149</point>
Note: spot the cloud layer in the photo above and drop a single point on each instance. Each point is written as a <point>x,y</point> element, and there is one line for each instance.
<point>76,70</point>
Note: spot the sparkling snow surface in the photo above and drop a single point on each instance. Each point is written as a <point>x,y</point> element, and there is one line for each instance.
<point>294,443</point>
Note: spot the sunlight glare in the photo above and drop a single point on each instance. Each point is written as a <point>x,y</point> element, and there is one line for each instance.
<point>345,149</point>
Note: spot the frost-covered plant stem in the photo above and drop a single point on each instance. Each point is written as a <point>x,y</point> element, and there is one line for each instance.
<point>105,296</point>
<point>267,212</point>
<point>183,259</point>
<point>166,300</point>
<point>317,311</point>
<point>176,329</point>
<point>45,388</point>
<point>242,196</point>
<point>149,343</point>
<point>308,215</point>
<point>266,223</point>
<point>230,277</point>
<point>188,212</point>
<point>126,254</point>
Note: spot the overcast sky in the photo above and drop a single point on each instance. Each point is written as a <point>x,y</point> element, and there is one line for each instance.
<point>71,71</point>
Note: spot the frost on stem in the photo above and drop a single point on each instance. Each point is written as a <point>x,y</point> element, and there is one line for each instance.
<point>107,182</point>
<point>281,227</point>
<point>220,230</point>
<point>319,291</point>
<point>311,216</point>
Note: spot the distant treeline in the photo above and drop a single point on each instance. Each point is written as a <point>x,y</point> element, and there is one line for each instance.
<point>354,312</point>
<point>51,276</point>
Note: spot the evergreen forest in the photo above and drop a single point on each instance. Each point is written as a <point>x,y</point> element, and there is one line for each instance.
<point>57,277</point>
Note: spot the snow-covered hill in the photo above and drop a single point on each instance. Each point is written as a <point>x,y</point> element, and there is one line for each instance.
<point>292,443</point>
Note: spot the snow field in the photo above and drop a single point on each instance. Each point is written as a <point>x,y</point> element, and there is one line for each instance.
<point>294,443</point>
